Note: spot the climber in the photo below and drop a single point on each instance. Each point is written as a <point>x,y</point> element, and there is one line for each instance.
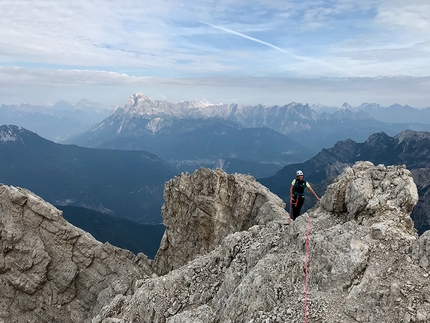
<point>297,194</point>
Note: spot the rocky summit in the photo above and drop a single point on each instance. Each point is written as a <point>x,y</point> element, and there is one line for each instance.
<point>230,253</point>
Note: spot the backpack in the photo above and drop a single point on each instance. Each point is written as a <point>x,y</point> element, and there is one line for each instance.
<point>299,188</point>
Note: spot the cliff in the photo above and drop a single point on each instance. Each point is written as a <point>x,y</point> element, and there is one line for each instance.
<point>230,254</point>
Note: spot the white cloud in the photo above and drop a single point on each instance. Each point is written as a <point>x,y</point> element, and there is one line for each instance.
<point>19,75</point>
<point>79,32</point>
<point>115,88</point>
<point>411,16</point>
<point>132,44</point>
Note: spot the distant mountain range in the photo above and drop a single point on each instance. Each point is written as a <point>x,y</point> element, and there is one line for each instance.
<point>408,147</point>
<point>395,113</point>
<point>191,134</point>
<point>127,184</point>
<point>196,133</point>
<point>55,121</point>
<point>165,138</point>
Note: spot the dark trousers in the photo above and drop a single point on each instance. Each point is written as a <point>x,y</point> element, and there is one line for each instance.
<point>296,206</point>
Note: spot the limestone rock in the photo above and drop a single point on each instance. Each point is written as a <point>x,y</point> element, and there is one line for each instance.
<point>421,251</point>
<point>365,189</point>
<point>51,271</point>
<point>366,263</point>
<point>203,208</point>
<point>246,261</point>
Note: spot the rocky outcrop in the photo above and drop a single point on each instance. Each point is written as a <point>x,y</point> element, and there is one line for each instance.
<point>247,260</point>
<point>201,209</point>
<point>410,148</point>
<point>51,271</point>
<point>366,264</point>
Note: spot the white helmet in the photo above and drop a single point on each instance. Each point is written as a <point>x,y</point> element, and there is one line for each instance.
<point>299,172</point>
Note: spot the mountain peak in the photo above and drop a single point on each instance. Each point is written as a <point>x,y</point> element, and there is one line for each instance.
<point>63,104</point>
<point>140,105</point>
<point>407,135</point>
<point>346,105</point>
<point>377,141</point>
<point>17,135</point>
<point>138,98</point>
<point>10,133</point>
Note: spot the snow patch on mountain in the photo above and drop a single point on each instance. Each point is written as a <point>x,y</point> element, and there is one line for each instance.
<point>9,133</point>
<point>154,125</point>
<point>139,105</point>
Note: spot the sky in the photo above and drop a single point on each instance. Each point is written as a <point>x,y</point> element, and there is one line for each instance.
<point>271,52</point>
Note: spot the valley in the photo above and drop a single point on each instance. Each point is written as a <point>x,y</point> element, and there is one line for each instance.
<point>119,166</point>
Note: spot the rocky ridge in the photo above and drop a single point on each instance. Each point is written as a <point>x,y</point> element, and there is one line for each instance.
<point>411,148</point>
<point>142,114</point>
<point>367,263</point>
<point>139,105</point>
<point>51,271</point>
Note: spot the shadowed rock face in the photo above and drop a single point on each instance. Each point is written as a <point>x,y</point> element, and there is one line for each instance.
<point>246,260</point>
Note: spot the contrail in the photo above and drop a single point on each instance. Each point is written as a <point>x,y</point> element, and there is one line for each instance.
<point>250,38</point>
<point>301,58</point>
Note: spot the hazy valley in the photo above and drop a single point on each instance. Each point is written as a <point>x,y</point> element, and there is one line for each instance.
<point>269,143</point>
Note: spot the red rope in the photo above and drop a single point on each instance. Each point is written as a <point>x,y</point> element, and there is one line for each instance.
<point>306,305</point>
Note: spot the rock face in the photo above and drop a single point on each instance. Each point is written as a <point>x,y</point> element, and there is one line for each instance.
<point>246,261</point>
<point>200,210</point>
<point>51,271</point>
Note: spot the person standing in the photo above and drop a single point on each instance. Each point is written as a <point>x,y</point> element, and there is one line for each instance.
<point>297,194</point>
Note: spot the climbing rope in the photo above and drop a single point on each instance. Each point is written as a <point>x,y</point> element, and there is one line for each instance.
<point>306,303</point>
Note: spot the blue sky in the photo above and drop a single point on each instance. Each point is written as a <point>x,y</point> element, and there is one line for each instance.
<point>247,52</point>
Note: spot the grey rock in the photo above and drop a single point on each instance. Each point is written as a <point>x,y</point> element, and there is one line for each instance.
<point>51,271</point>
<point>203,208</point>
<point>246,261</point>
<point>366,263</point>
